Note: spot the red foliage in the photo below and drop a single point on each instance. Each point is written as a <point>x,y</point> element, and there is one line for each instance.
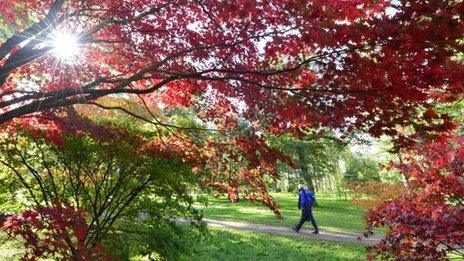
<point>280,65</point>
<point>52,231</point>
<point>242,163</point>
<point>428,222</point>
<point>294,64</point>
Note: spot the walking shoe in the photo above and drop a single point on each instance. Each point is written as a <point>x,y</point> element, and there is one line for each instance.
<point>294,229</point>
<point>316,232</point>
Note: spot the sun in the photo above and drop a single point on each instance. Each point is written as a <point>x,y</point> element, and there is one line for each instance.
<point>65,47</point>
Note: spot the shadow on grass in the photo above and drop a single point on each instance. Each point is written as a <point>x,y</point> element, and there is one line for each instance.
<point>233,245</point>
<point>331,214</point>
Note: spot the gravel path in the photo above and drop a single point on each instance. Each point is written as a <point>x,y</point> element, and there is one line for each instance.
<point>304,232</point>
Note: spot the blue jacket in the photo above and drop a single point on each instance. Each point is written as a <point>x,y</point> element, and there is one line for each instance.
<point>305,198</point>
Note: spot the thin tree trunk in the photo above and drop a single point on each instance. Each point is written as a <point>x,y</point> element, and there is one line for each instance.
<point>403,177</point>
<point>304,170</point>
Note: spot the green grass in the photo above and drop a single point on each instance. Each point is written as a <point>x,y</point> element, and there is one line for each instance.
<point>331,214</point>
<point>232,245</point>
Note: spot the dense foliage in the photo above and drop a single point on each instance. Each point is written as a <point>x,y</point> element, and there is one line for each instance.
<point>372,194</point>
<point>78,197</point>
<point>349,64</point>
<point>427,222</point>
<point>316,157</point>
<point>377,66</point>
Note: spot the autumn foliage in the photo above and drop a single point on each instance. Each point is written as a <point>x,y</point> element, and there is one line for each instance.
<point>101,184</point>
<point>53,231</point>
<point>428,222</point>
<point>294,64</point>
<point>277,66</point>
<point>372,194</point>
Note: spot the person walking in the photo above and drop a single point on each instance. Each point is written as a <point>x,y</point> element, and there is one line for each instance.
<point>305,201</point>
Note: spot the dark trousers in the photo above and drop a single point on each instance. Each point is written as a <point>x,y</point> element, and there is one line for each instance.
<point>307,215</point>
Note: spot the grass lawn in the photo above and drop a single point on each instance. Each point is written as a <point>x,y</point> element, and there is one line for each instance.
<point>233,245</point>
<point>224,244</point>
<point>331,214</point>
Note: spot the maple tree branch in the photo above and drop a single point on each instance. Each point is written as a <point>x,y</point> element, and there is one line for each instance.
<point>271,87</point>
<point>54,9</point>
<point>26,56</point>
<point>299,65</point>
<point>85,94</point>
<point>158,123</point>
<point>16,39</point>
<point>208,14</point>
<point>37,177</point>
<point>117,201</point>
<point>121,204</point>
<point>28,53</point>
<point>189,129</point>
<point>40,106</point>
<point>61,96</point>
<point>99,199</point>
<point>57,94</point>
<point>20,58</point>
<point>22,180</point>
<point>47,167</point>
<point>73,177</point>
<point>34,35</point>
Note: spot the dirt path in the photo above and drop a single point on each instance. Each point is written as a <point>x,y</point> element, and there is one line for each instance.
<point>304,232</point>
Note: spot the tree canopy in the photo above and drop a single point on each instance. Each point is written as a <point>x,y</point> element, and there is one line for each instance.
<point>283,64</point>
<point>277,66</point>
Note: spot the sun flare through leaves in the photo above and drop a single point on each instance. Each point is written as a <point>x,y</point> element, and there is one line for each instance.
<point>65,47</point>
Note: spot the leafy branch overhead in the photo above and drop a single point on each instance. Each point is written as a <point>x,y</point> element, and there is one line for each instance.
<point>293,64</point>
<point>207,83</point>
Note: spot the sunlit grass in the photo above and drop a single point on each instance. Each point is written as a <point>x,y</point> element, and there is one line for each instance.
<point>233,245</point>
<point>331,214</point>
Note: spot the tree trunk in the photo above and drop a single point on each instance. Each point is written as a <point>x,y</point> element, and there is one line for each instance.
<point>403,177</point>
<point>306,175</point>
